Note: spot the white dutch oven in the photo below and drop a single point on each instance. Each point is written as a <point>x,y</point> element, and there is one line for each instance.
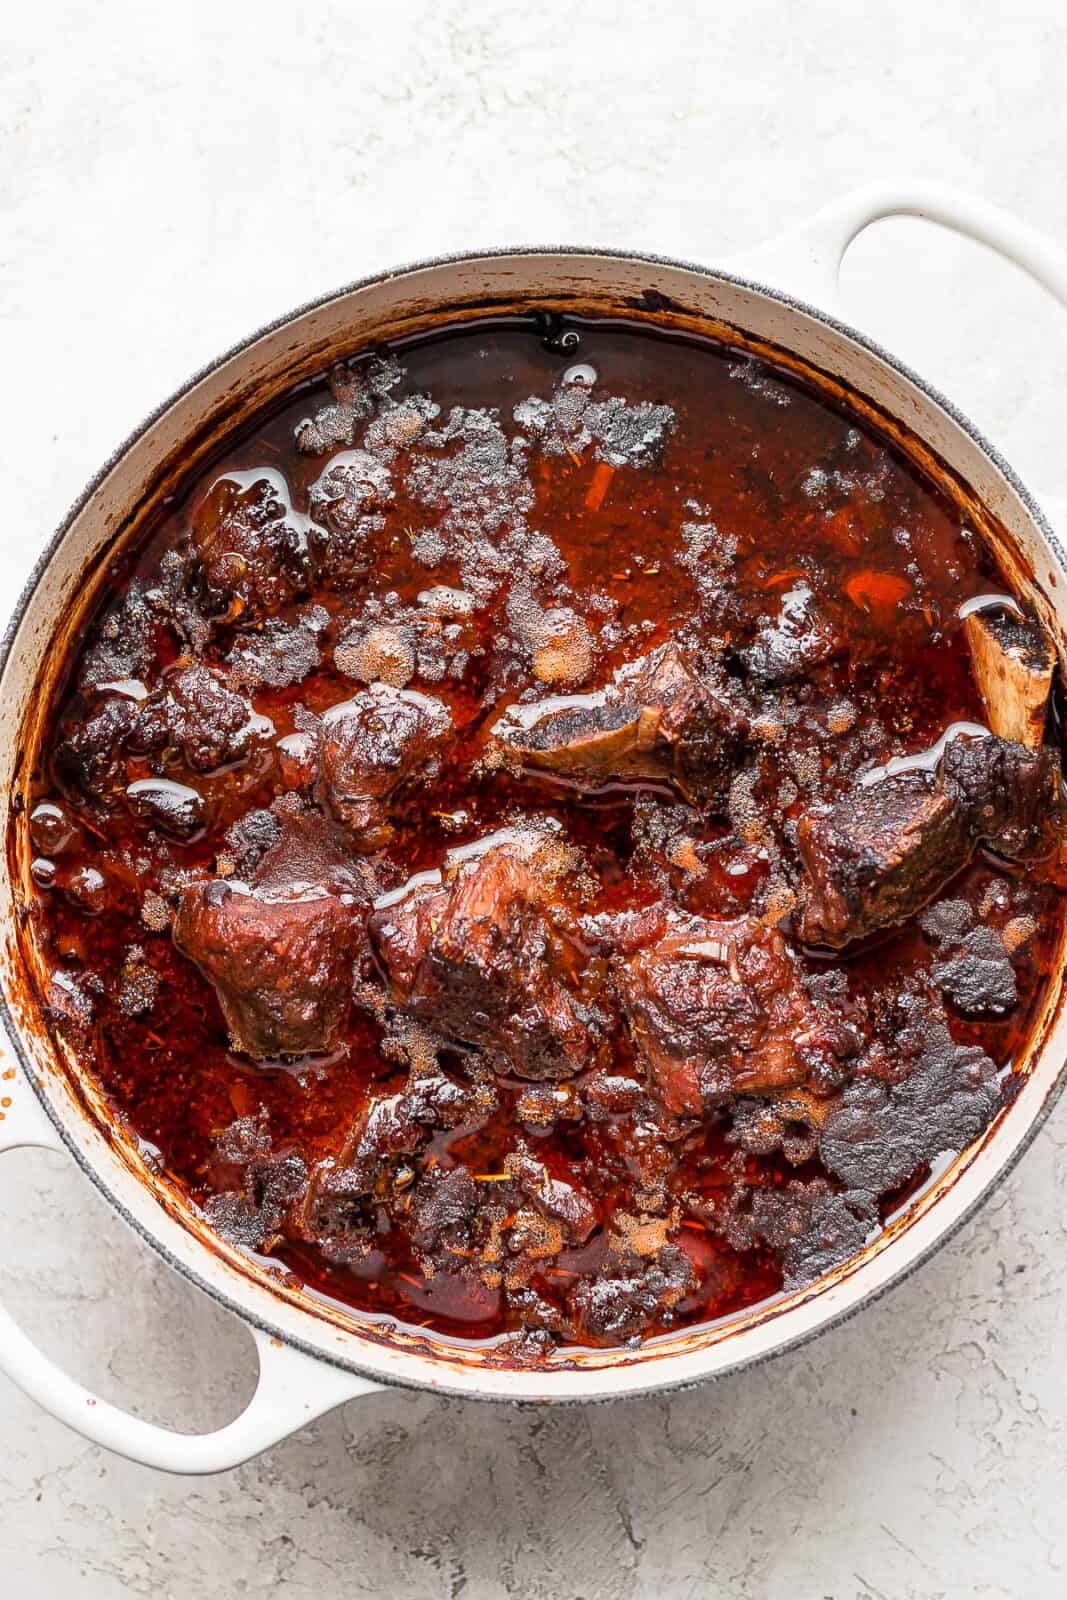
<point>313,1358</point>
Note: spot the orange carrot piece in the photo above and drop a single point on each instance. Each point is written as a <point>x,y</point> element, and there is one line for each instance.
<point>869,589</point>
<point>603,473</point>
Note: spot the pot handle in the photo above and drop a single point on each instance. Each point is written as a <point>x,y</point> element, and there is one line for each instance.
<point>806,260</point>
<point>292,1389</point>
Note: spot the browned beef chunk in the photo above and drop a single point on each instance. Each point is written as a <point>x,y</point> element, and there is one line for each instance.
<point>887,847</point>
<point>72,1006</point>
<point>462,1224</point>
<point>545,1105</point>
<point>629,1297</point>
<point>90,755</point>
<point>194,717</point>
<point>249,839</point>
<point>879,855</point>
<point>583,738</point>
<point>978,977</point>
<point>659,718</point>
<point>608,1094</point>
<point>1013,796</point>
<point>480,958</point>
<point>253,548</point>
<point>282,968</point>
<point>374,745</point>
<point>717,1009</point>
<point>389,1127</point>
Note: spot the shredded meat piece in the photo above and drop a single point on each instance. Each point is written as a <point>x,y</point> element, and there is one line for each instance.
<point>878,1135</point>
<point>617,1306</point>
<point>563,1200</point>
<point>975,972</point>
<point>268,1183</point>
<point>377,1163</point>
<point>813,1226</point>
<point>90,754</point>
<point>447,1216</point>
<point>124,649</point>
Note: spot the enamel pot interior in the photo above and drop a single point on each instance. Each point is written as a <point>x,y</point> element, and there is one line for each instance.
<point>184,433</point>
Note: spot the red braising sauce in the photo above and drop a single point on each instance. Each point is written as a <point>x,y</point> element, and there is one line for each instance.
<point>562,1127</point>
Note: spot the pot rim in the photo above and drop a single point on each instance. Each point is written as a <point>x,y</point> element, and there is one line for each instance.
<point>657,1384</point>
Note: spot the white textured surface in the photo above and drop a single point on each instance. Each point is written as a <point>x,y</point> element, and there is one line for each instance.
<point>169,176</point>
